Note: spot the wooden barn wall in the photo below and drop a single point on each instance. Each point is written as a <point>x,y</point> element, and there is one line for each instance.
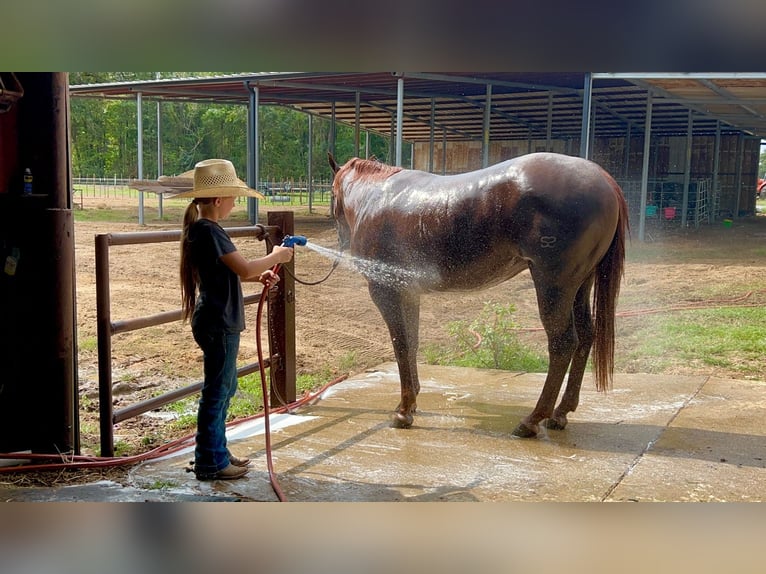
<point>467,155</point>
<point>667,157</point>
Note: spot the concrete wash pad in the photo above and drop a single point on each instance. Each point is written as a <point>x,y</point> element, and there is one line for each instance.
<point>651,438</point>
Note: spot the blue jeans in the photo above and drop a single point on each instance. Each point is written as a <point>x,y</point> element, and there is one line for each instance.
<point>220,368</point>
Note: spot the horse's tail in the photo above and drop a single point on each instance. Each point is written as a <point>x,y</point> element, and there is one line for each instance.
<point>609,272</point>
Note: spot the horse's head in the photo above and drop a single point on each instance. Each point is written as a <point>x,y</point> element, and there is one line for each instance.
<point>336,205</point>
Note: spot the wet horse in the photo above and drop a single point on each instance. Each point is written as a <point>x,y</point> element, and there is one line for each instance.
<point>563,218</point>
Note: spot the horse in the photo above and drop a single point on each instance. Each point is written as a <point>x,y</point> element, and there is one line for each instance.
<point>563,218</point>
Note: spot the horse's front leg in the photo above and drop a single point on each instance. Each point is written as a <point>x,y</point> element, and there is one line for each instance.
<point>401,312</point>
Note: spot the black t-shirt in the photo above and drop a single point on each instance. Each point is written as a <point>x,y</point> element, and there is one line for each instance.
<point>220,307</point>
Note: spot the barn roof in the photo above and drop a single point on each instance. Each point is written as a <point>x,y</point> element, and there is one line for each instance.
<point>523,104</point>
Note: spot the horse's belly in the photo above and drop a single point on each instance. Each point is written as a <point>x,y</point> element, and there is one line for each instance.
<point>483,276</point>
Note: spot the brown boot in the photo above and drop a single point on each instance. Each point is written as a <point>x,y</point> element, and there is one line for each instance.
<point>237,461</point>
<point>231,472</point>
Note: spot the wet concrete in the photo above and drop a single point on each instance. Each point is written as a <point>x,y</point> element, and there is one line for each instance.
<point>652,438</point>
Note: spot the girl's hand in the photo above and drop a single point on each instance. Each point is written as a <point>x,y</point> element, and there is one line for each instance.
<point>269,278</point>
<point>283,254</point>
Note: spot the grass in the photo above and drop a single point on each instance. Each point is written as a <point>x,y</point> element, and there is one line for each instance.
<point>733,339</point>
<point>248,400</point>
<point>87,343</point>
<point>489,342</point>
<point>728,339</point>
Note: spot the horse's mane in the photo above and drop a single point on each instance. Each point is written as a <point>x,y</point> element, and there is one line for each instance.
<point>371,170</point>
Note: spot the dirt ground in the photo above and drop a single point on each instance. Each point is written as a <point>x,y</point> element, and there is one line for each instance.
<point>338,328</point>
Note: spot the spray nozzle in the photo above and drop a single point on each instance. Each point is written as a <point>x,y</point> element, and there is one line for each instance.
<point>293,240</point>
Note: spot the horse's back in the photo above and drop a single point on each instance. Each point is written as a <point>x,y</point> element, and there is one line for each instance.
<point>550,210</point>
<point>566,189</point>
<point>547,172</point>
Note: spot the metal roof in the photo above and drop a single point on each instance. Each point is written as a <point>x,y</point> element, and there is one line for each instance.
<point>523,104</point>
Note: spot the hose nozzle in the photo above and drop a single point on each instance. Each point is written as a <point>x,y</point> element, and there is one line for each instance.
<point>293,240</point>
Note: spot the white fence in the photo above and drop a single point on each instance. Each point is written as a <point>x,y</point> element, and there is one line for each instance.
<point>276,191</point>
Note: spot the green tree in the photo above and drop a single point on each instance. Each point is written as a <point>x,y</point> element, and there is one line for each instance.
<point>105,138</point>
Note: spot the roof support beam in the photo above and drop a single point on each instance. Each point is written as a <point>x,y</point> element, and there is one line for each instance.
<point>140,139</point>
<point>645,168</point>
<point>253,155</point>
<point>729,96</point>
<point>399,114</point>
<point>485,130</point>
<point>687,170</point>
<point>585,128</point>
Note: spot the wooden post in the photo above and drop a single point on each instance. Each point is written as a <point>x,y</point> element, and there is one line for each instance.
<point>281,315</point>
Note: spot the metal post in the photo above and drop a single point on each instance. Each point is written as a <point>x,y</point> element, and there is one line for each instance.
<point>687,171</point>
<point>310,167</point>
<point>392,140</point>
<point>399,116</point>
<point>253,155</point>
<point>549,127</point>
<point>356,125</point>
<point>716,167</point>
<point>444,152</point>
<point>585,126</point>
<point>645,168</point>
<point>332,130</point>
<point>738,179</point>
<point>431,135</point>
<point>485,130</point>
<point>159,153</point>
<point>140,138</point>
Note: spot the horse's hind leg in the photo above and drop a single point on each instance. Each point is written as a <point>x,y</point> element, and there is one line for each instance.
<point>557,318</point>
<point>584,328</point>
<point>401,312</point>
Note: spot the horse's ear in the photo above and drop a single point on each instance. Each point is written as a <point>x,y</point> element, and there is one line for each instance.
<point>333,164</point>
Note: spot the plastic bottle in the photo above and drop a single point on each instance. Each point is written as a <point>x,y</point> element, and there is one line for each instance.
<point>27,181</point>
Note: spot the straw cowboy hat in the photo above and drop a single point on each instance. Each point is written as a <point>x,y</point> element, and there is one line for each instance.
<point>166,184</point>
<point>218,178</point>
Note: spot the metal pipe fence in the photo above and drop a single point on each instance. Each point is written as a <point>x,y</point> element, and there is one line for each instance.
<point>277,191</point>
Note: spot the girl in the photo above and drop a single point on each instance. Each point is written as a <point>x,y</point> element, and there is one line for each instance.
<point>212,266</point>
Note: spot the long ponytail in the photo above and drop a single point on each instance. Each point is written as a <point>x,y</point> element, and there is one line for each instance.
<point>189,273</point>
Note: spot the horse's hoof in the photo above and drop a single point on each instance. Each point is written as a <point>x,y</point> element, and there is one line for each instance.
<point>402,421</point>
<point>556,424</point>
<point>525,431</point>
